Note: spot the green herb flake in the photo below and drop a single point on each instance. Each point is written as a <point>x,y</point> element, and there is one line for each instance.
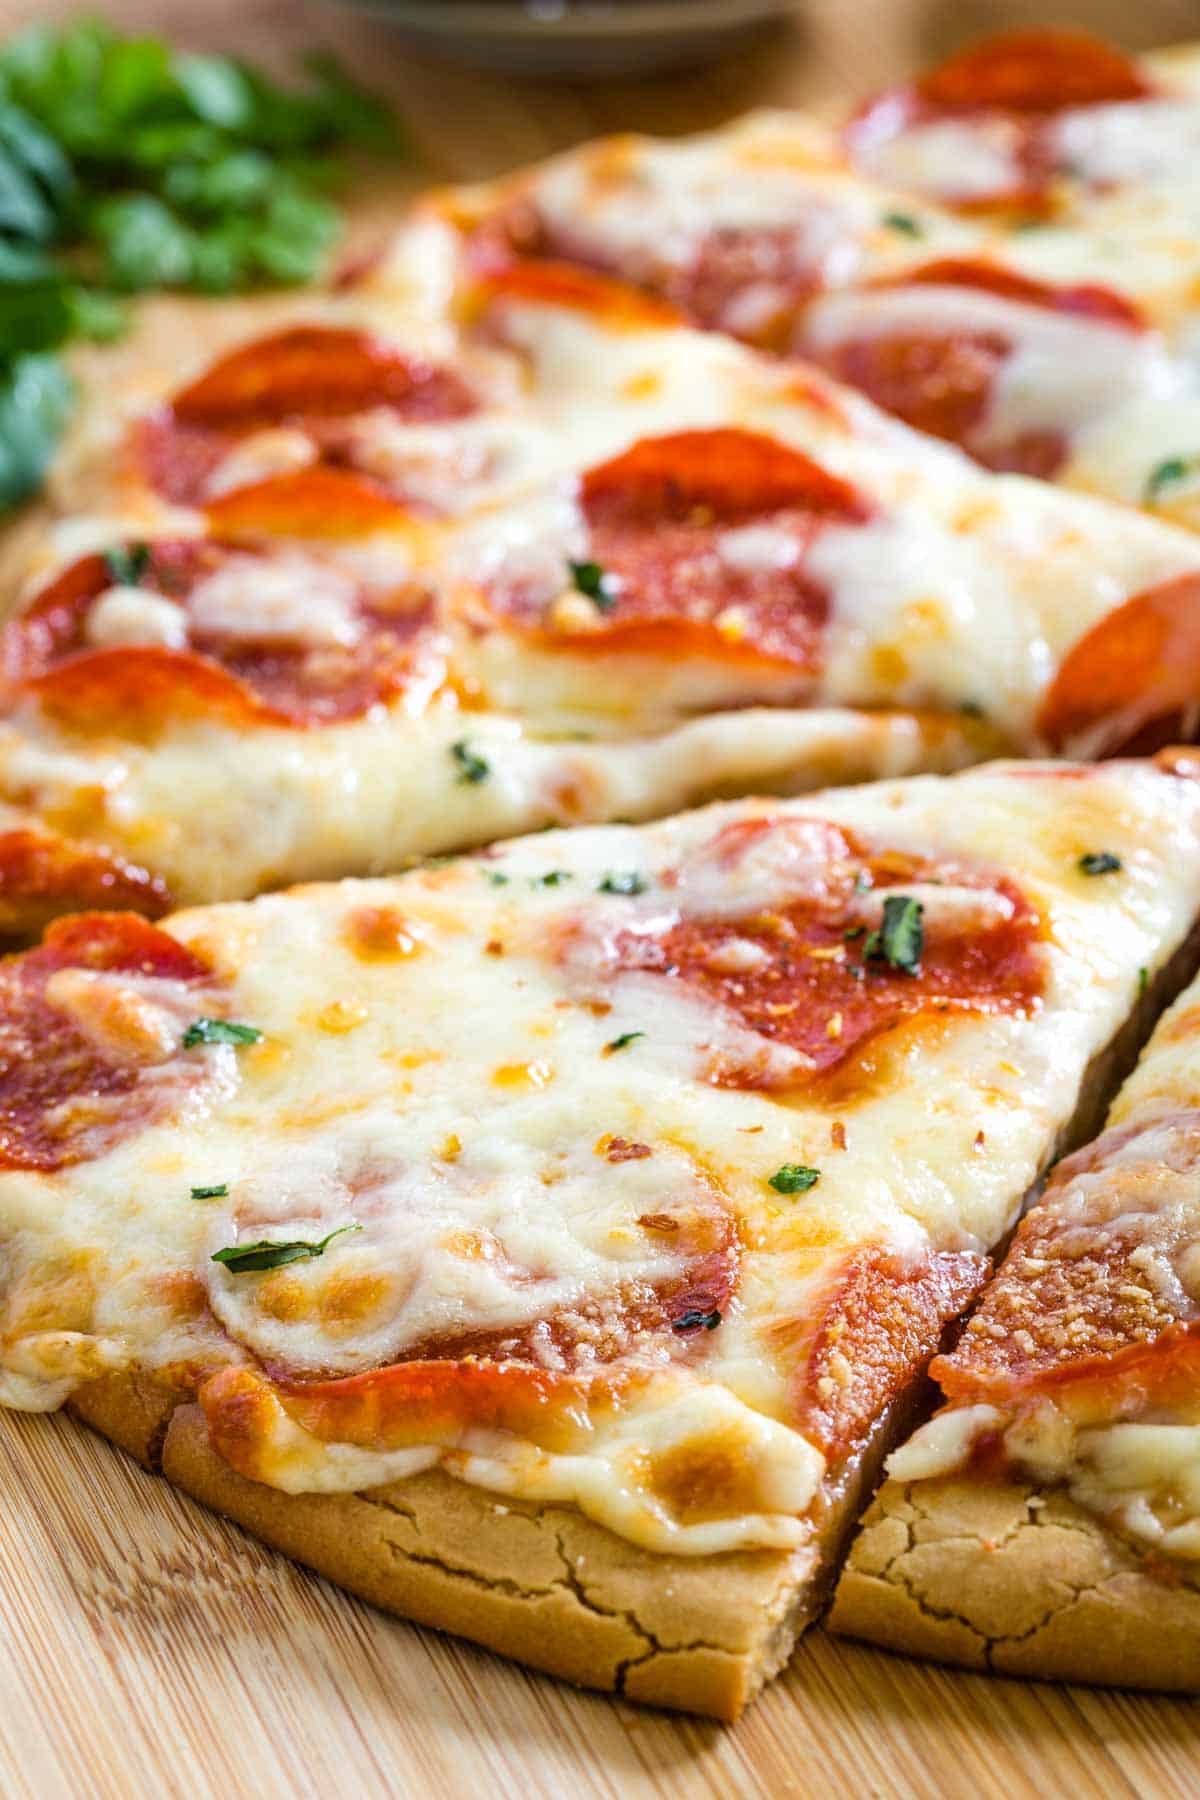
<point>1166,474</point>
<point>794,1178</point>
<point>472,768</point>
<point>127,563</point>
<point>551,879</point>
<point>1099,862</point>
<point>904,222</point>
<point>1143,981</point>
<point>218,1191</point>
<point>591,581</point>
<point>623,881</point>
<point>219,1031</point>
<point>623,1042</point>
<point>495,878</point>
<point>901,935</point>
<point>268,1253</point>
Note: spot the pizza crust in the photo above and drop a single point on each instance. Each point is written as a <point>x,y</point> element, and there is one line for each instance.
<point>1017,1581</point>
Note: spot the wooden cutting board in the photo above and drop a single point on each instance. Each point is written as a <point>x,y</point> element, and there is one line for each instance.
<point>147,1648</point>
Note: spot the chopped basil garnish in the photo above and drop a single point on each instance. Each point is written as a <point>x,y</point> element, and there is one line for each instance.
<point>794,1178</point>
<point>245,1259</point>
<point>591,581</point>
<point>127,563</point>
<point>624,881</point>
<point>901,221</point>
<point>551,879</point>
<point>1166,474</point>
<point>695,1319</point>
<point>219,1031</point>
<point>901,937</point>
<point>1143,980</point>
<point>1099,862</point>
<point>472,768</point>
<point>623,1042</point>
<point>217,1192</point>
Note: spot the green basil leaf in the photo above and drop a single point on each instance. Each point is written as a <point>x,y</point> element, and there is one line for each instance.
<point>901,937</point>
<point>219,1031</point>
<point>269,1253</point>
<point>794,1178</point>
<point>36,396</point>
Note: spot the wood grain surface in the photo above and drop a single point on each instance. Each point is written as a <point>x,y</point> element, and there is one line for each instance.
<point>147,1648</point>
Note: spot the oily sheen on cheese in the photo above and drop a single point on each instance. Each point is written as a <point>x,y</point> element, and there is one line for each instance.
<point>543,1111</point>
<point>287,682</point>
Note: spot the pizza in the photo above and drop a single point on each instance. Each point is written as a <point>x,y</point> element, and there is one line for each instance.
<point>581,1335</point>
<point>608,566</point>
<point>1047,1518</point>
<point>932,254</point>
<point>534,1204</point>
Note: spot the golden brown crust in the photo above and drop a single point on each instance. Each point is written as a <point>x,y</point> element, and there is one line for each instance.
<point>131,1410</point>
<point>541,1584</point>
<point>1019,1582</point>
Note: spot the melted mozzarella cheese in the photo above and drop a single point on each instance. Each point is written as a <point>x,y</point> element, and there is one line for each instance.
<point>286,599</point>
<point>1130,142</point>
<point>279,450</point>
<point>956,160</point>
<point>130,615</point>
<point>476,1167</point>
<point>1065,370</point>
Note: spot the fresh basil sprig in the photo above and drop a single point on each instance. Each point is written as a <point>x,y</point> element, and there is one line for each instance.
<point>127,165</point>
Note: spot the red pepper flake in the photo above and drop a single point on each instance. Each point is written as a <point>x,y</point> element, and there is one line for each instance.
<point>621,1150</point>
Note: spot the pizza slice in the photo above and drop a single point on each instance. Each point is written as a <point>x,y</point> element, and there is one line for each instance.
<point>685,570</point>
<point>1047,1520</point>
<point>1064,351</point>
<point>548,1244</point>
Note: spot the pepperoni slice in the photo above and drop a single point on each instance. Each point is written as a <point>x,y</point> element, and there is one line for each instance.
<point>80,1070</point>
<point>942,382</point>
<point>222,660</point>
<point>1086,299</point>
<point>1034,71</point>
<point>877,1330</point>
<point>497,1380</point>
<point>1086,1305</point>
<point>1132,683</point>
<point>547,283</point>
<point>1013,86</point>
<point>401,1406</point>
<point>312,505</point>
<point>701,538</point>
<point>797,973</point>
<point>42,875</point>
<point>309,382</point>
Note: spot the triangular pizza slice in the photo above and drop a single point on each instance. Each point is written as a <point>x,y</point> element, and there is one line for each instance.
<point>362,595</point>
<point>548,1244</point>
<point>1046,1521</point>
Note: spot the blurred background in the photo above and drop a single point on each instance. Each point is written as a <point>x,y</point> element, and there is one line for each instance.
<point>473,116</point>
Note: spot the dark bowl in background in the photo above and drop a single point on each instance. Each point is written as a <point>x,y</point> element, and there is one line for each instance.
<point>575,38</point>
